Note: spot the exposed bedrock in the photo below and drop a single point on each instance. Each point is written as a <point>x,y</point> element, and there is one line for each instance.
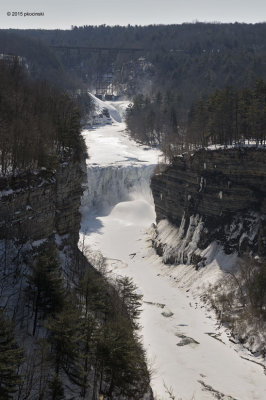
<point>225,189</point>
<point>36,206</point>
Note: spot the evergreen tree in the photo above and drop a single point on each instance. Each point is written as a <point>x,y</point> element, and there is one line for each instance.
<point>122,359</point>
<point>93,295</point>
<point>46,285</point>
<point>65,338</point>
<point>10,359</point>
<point>130,300</point>
<point>92,291</point>
<point>56,390</point>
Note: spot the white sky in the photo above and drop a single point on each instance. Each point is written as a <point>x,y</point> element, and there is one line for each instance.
<point>64,13</point>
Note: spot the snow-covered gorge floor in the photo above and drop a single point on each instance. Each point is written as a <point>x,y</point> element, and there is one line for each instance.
<point>180,336</point>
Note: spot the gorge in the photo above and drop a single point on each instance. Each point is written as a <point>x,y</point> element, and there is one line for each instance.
<point>206,217</point>
<point>133,232</point>
<point>190,353</point>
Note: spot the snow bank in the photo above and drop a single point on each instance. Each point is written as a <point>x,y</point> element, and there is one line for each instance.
<point>116,110</point>
<point>134,212</point>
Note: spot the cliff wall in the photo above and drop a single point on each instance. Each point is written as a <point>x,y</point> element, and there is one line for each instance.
<point>222,192</point>
<point>36,206</point>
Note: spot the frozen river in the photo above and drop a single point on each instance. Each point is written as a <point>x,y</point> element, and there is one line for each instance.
<point>177,333</point>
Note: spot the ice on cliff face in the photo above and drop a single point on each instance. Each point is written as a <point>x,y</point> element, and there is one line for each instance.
<point>178,244</point>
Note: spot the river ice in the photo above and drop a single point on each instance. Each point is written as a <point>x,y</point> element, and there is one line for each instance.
<point>180,335</point>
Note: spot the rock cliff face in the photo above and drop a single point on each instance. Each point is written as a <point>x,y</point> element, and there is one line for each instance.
<point>36,206</point>
<point>219,193</point>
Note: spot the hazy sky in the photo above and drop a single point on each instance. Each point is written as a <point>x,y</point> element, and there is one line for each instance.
<point>64,13</point>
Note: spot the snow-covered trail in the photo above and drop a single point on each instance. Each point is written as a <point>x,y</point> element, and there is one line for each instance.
<point>117,212</point>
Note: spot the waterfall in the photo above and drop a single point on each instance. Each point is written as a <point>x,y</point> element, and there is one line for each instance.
<point>109,185</point>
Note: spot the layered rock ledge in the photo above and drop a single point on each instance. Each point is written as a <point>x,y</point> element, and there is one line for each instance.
<point>38,205</point>
<point>224,190</point>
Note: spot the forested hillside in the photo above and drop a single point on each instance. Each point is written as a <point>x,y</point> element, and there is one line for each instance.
<point>39,124</point>
<point>225,117</point>
<point>192,59</point>
<point>229,117</point>
<point>67,333</point>
<point>41,62</point>
<point>172,75</point>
